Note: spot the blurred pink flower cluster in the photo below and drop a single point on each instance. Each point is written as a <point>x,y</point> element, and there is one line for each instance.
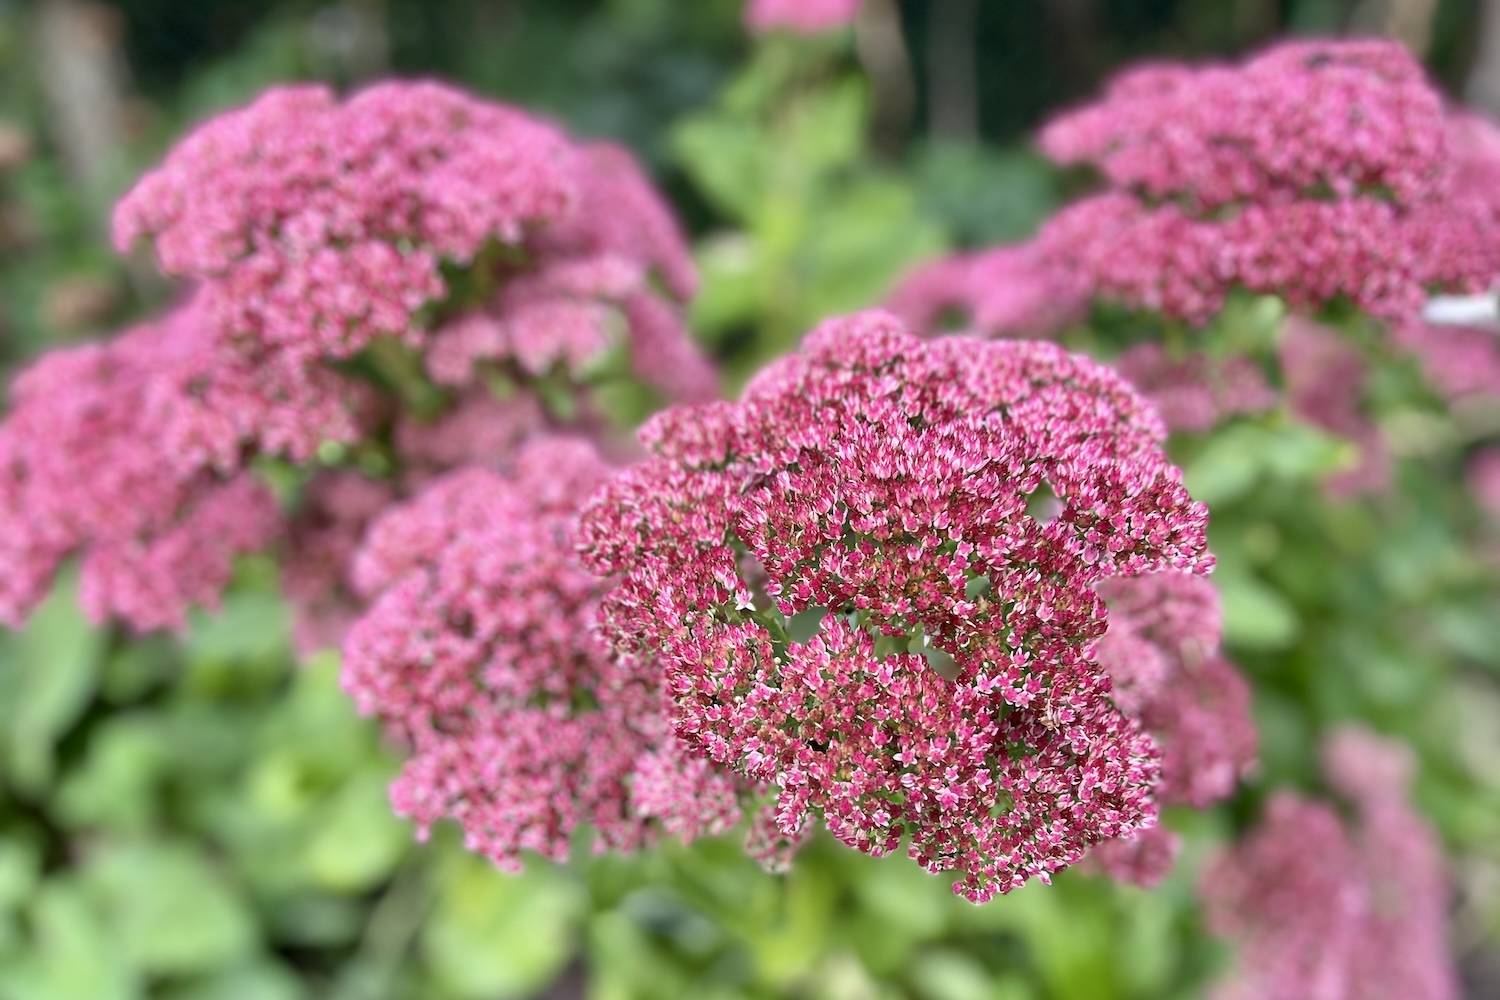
<point>1315,170</point>
<point>883,483</point>
<point>1319,171</point>
<point>339,254</point>
<point>87,466</point>
<point>478,652</point>
<point>1322,908</point>
<point>801,17</point>
<point>1325,378</point>
<point>316,227</point>
<point>1162,653</point>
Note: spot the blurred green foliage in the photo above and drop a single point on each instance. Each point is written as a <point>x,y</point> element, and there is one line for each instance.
<point>200,818</point>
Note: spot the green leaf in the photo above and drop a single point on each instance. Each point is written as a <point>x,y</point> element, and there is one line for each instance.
<point>20,868</point>
<point>75,954</point>
<point>947,974</point>
<point>250,631</point>
<point>823,129</point>
<point>116,786</point>
<point>728,159</point>
<point>493,935</point>
<point>357,841</point>
<point>263,980</point>
<point>169,909</point>
<point>55,663</point>
<point>1228,466</point>
<point>1255,616</point>
<point>731,269</point>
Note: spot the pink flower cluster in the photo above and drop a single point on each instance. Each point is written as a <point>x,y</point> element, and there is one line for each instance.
<point>478,651</point>
<point>1321,909</point>
<point>882,483</point>
<point>1458,361</point>
<point>1341,116</point>
<point>801,17</point>
<point>1162,653</point>
<point>88,466</point>
<point>313,230</point>
<point>1007,291</point>
<point>1198,391</point>
<point>316,227</point>
<point>1325,383</point>
<point>1484,479</point>
<point>1316,170</point>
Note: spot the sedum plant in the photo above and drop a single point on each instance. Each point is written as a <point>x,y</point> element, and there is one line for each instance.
<point>926,587</point>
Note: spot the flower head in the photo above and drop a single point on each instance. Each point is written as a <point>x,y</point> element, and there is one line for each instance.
<point>882,482</point>
<point>1315,170</point>
<point>1300,117</point>
<point>1162,651</point>
<point>88,467</point>
<point>1328,910</point>
<point>316,227</point>
<point>478,651</point>
<point>1008,291</point>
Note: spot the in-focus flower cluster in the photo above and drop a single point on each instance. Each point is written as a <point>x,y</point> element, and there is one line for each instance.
<point>1324,909</point>
<point>478,651</point>
<point>1162,653</point>
<point>364,274</point>
<point>879,485</point>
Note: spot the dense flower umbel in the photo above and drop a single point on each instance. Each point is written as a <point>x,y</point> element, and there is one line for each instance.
<point>496,250</point>
<point>325,223</point>
<point>317,226</point>
<point>478,652</point>
<point>1197,391</point>
<point>1316,170</point>
<point>1301,117</point>
<point>1162,651</point>
<point>802,17</point>
<point>1007,291</point>
<point>1325,383</point>
<point>108,454</point>
<point>885,480</point>
<point>1321,910</point>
